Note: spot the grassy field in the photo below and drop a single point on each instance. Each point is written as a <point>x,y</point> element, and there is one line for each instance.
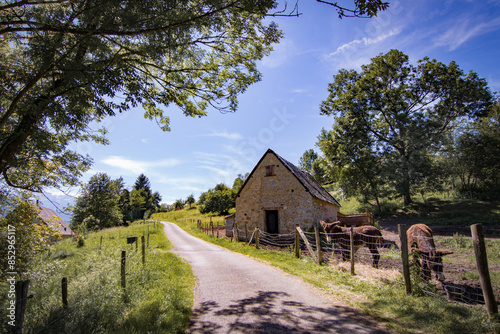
<point>436,209</point>
<point>382,296</point>
<point>157,298</point>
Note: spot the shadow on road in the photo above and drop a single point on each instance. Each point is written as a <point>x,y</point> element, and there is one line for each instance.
<point>272,312</point>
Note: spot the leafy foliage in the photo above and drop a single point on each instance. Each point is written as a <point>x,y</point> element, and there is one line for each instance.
<point>143,201</point>
<point>105,202</point>
<point>63,64</point>
<point>312,163</point>
<point>393,118</point>
<point>157,298</point>
<point>218,200</point>
<point>22,228</point>
<point>99,198</point>
<point>475,156</point>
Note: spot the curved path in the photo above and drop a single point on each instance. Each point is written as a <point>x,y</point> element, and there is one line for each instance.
<point>237,294</point>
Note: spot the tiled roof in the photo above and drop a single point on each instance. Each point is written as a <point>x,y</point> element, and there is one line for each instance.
<point>46,213</point>
<point>307,181</point>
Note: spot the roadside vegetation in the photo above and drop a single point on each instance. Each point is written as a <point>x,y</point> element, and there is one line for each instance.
<point>157,298</point>
<point>383,298</point>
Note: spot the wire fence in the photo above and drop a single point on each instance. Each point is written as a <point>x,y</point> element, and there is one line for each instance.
<point>455,278</point>
<point>58,292</point>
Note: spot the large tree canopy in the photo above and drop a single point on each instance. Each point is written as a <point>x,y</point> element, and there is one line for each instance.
<point>67,63</point>
<point>399,112</point>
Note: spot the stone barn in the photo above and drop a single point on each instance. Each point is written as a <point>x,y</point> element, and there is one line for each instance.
<point>277,195</point>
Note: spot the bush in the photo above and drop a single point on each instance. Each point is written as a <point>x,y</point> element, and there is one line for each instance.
<point>218,200</point>
<point>81,241</point>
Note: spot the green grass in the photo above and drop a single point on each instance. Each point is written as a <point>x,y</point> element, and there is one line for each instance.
<point>157,298</point>
<point>383,299</point>
<point>434,209</point>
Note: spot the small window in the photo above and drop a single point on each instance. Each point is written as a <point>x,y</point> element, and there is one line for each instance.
<point>270,170</point>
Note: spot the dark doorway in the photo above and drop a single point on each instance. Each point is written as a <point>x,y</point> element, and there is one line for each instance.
<point>272,221</point>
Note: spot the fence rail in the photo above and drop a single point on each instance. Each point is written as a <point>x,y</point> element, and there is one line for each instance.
<point>336,248</point>
<point>125,265</point>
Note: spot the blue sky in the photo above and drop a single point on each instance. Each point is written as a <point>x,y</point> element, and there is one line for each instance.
<point>282,111</point>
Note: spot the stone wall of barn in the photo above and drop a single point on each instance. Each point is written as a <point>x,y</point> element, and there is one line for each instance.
<point>282,192</point>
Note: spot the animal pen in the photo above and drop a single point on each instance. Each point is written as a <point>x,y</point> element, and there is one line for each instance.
<point>467,277</point>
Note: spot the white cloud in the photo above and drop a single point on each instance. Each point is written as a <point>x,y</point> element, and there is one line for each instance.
<point>138,167</point>
<point>227,135</point>
<point>348,47</point>
<point>463,30</point>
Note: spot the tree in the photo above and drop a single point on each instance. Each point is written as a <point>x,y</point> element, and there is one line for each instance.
<point>138,203</point>
<point>190,200</point>
<point>179,204</point>
<point>99,197</point>
<point>351,161</point>
<point>125,206</point>
<point>22,234</point>
<point>403,111</point>
<point>67,64</point>
<point>218,200</point>
<point>475,156</point>
<point>142,182</point>
<point>307,159</point>
<point>143,200</point>
<point>239,181</point>
<point>312,163</point>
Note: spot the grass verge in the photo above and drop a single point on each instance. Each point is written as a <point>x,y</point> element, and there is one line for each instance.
<point>157,298</point>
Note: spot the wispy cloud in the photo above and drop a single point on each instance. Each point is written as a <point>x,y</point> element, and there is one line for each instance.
<point>137,166</point>
<point>227,135</point>
<point>465,29</point>
<point>281,53</point>
<point>348,47</point>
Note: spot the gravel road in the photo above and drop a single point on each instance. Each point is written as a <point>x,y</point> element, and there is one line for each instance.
<point>237,294</point>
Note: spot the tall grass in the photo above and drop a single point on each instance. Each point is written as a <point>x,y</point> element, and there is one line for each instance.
<point>384,299</point>
<point>157,297</point>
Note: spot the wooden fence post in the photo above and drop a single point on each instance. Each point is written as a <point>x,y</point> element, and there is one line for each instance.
<point>308,245</point>
<point>64,291</point>
<point>351,239</point>
<point>257,235</point>
<point>297,241</point>
<point>246,232</point>
<point>318,245</point>
<point>143,250</point>
<point>404,257</point>
<point>124,258</point>
<point>482,268</point>
<point>21,301</point>
<point>101,243</point>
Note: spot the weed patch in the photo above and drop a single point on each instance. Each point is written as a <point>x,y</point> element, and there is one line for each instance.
<point>157,298</point>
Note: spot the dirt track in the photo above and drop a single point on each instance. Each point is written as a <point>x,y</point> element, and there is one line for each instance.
<point>237,294</point>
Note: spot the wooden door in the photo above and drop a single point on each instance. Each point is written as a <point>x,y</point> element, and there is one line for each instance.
<point>272,221</point>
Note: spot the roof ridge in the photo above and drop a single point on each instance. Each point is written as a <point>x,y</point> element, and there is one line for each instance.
<point>306,179</point>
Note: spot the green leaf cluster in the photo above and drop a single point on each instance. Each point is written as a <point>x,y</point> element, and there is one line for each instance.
<point>104,202</point>
<point>393,120</point>
<point>65,65</point>
<point>22,229</point>
<point>218,200</point>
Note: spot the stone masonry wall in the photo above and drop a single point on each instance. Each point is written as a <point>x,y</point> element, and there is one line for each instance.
<point>281,192</point>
